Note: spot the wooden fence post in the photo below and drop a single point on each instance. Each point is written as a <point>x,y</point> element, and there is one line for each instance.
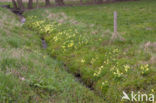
<point>115,33</point>
<point>115,23</point>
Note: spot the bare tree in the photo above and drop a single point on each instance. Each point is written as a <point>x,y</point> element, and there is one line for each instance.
<point>81,2</point>
<point>37,3</point>
<point>47,2</point>
<point>59,2</point>
<point>30,4</point>
<point>99,1</point>
<point>20,4</point>
<point>94,1</point>
<point>14,4</point>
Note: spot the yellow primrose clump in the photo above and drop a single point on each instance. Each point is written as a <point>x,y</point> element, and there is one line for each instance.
<point>82,60</point>
<point>118,73</point>
<point>152,90</point>
<point>116,50</point>
<point>47,28</point>
<point>105,83</point>
<point>70,44</point>
<point>93,60</point>
<point>97,73</point>
<point>106,62</point>
<point>126,67</point>
<point>144,68</point>
<point>55,38</point>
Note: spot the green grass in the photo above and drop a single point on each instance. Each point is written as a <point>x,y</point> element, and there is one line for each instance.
<point>80,37</point>
<point>28,74</point>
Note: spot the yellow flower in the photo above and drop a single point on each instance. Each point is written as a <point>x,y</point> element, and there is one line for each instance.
<point>118,73</point>
<point>116,50</point>
<point>92,61</point>
<point>105,82</point>
<point>47,28</point>
<point>101,67</point>
<point>55,38</point>
<point>106,62</point>
<point>144,68</point>
<point>98,72</point>
<point>126,67</point>
<point>70,44</point>
<point>152,90</point>
<point>112,68</point>
<point>82,60</point>
<point>94,74</point>
<point>63,47</point>
<point>44,57</point>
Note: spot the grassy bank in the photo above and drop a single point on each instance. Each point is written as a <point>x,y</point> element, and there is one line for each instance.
<point>28,74</point>
<point>80,37</point>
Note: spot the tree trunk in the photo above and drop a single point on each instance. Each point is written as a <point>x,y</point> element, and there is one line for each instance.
<point>47,2</point>
<point>14,4</point>
<point>30,4</point>
<point>20,4</point>
<point>37,4</point>
<point>59,2</point>
<point>81,2</point>
<point>99,1</point>
<point>95,1</point>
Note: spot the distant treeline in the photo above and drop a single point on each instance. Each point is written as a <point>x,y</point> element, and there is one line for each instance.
<point>19,3</point>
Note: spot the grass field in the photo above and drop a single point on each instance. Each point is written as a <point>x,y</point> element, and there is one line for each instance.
<point>80,37</point>
<point>28,74</point>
